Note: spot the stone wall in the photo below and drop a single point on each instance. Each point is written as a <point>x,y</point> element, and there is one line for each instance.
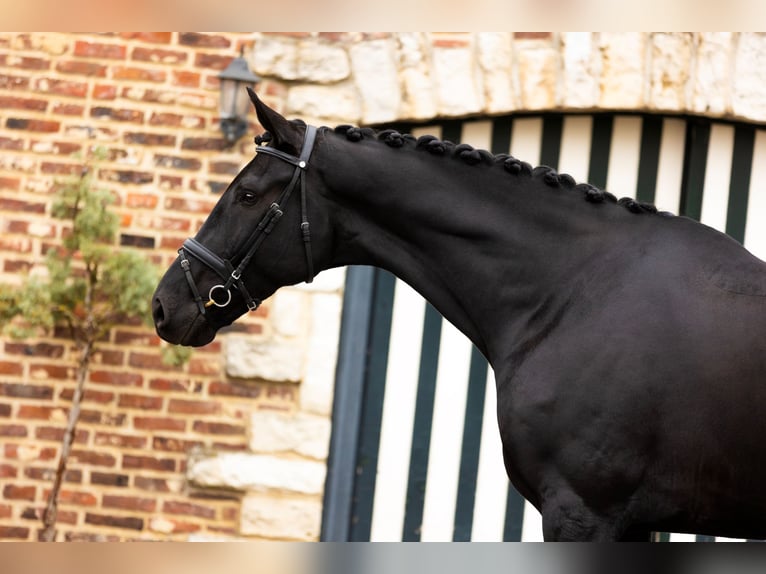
<point>235,443</point>
<point>376,78</point>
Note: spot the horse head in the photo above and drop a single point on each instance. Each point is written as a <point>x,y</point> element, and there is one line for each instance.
<point>265,232</point>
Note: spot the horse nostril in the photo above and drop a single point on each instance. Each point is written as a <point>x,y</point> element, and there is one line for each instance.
<point>158,312</point>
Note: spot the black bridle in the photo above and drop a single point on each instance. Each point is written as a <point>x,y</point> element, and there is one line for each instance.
<point>232,276</point>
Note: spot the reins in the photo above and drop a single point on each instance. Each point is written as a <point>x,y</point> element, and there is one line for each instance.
<point>232,276</point>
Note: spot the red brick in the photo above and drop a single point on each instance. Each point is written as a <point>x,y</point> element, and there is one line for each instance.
<point>11,144</point>
<point>5,510</point>
<point>151,139</point>
<point>29,63</point>
<point>218,428</point>
<point>138,74</point>
<point>194,407</point>
<point>109,479</point>
<point>148,463</point>
<point>532,35</point>
<point>174,444</point>
<point>142,200</point>
<point>57,434</point>
<point>182,385</point>
<point>99,50</point>
<point>122,379</point>
<point>129,503</point>
<point>13,430</point>
<point>152,37</point>
<point>62,516</point>
<point>62,87</point>
<point>81,68</point>
<point>158,55</point>
<point>10,367</point>
<point>203,40</point>
<point>9,82</point>
<point>26,391</point>
<point>187,508</point>
<point>175,162</point>
<point>120,440</point>
<point>159,423</point>
<point>47,474</point>
<point>94,458</point>
<point>214,61</point>
<point>60,168</point>
<point>35,412</point>
<point>5,410</point>
<point>68,109</point>
<point>199,206</point>
<point>45,371</point>
<point>45,126</point>
<point>128,522</point>
<point>151,484</point>
<point>89,396</point>
<point>10,183</point>
<point>104,92</point>
<point>8,471</point>
<point>103,417</point>
<point>18,103</point>
<point>7,204</point>
<point>14,492</point>
<point>119,115</point>
<point>181,527</point>
<point>74,497</point>
<point>204,366</point>
<point>186,79</point>
<point>148,361</point>
<point>106,357</point>
<point>140,402</point>
<point>203,144</point>
<point>14,532</point>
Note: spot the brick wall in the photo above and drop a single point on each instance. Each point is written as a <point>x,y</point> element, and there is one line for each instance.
<point>150,99</point>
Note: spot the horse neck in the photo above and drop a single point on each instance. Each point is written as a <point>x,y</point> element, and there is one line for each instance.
<point>485,247</point>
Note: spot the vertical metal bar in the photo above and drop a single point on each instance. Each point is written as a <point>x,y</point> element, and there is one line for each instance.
<point>347,403</point>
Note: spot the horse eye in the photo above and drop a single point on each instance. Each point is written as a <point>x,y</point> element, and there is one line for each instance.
<point>248,197</point>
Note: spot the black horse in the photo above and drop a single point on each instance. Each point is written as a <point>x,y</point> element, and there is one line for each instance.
<point>631,380</point>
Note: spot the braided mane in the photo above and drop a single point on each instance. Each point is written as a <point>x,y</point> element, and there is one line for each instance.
<point>472,156</point>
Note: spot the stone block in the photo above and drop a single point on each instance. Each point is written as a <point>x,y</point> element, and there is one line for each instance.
<point>255,472</point>
<point>289,312</point>
<point>579,71</point>
<point>321,354</point>
<point>377,80</point>
<point>300,59</point>
<point>281,518</point>
<point>749,97</point>
<point>457,81</point>
<point>711,92</point>
<point>622,70</point>
<point>300,433</point>
<point>417,94</point>
<point>538,66</point>
<point>496,61</point>
<point>671,66</point>
<point>269,360</point>
<point>339,103</point>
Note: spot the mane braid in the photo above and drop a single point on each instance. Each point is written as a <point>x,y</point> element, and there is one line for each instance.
<point>512,165</point>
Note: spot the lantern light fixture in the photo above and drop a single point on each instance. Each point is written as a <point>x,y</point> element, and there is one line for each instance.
<point>235,102</point>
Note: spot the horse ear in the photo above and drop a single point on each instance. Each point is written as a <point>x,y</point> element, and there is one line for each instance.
<point>281,130</point>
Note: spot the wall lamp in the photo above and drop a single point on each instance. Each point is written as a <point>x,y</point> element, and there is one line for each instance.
<point>235,103</point>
